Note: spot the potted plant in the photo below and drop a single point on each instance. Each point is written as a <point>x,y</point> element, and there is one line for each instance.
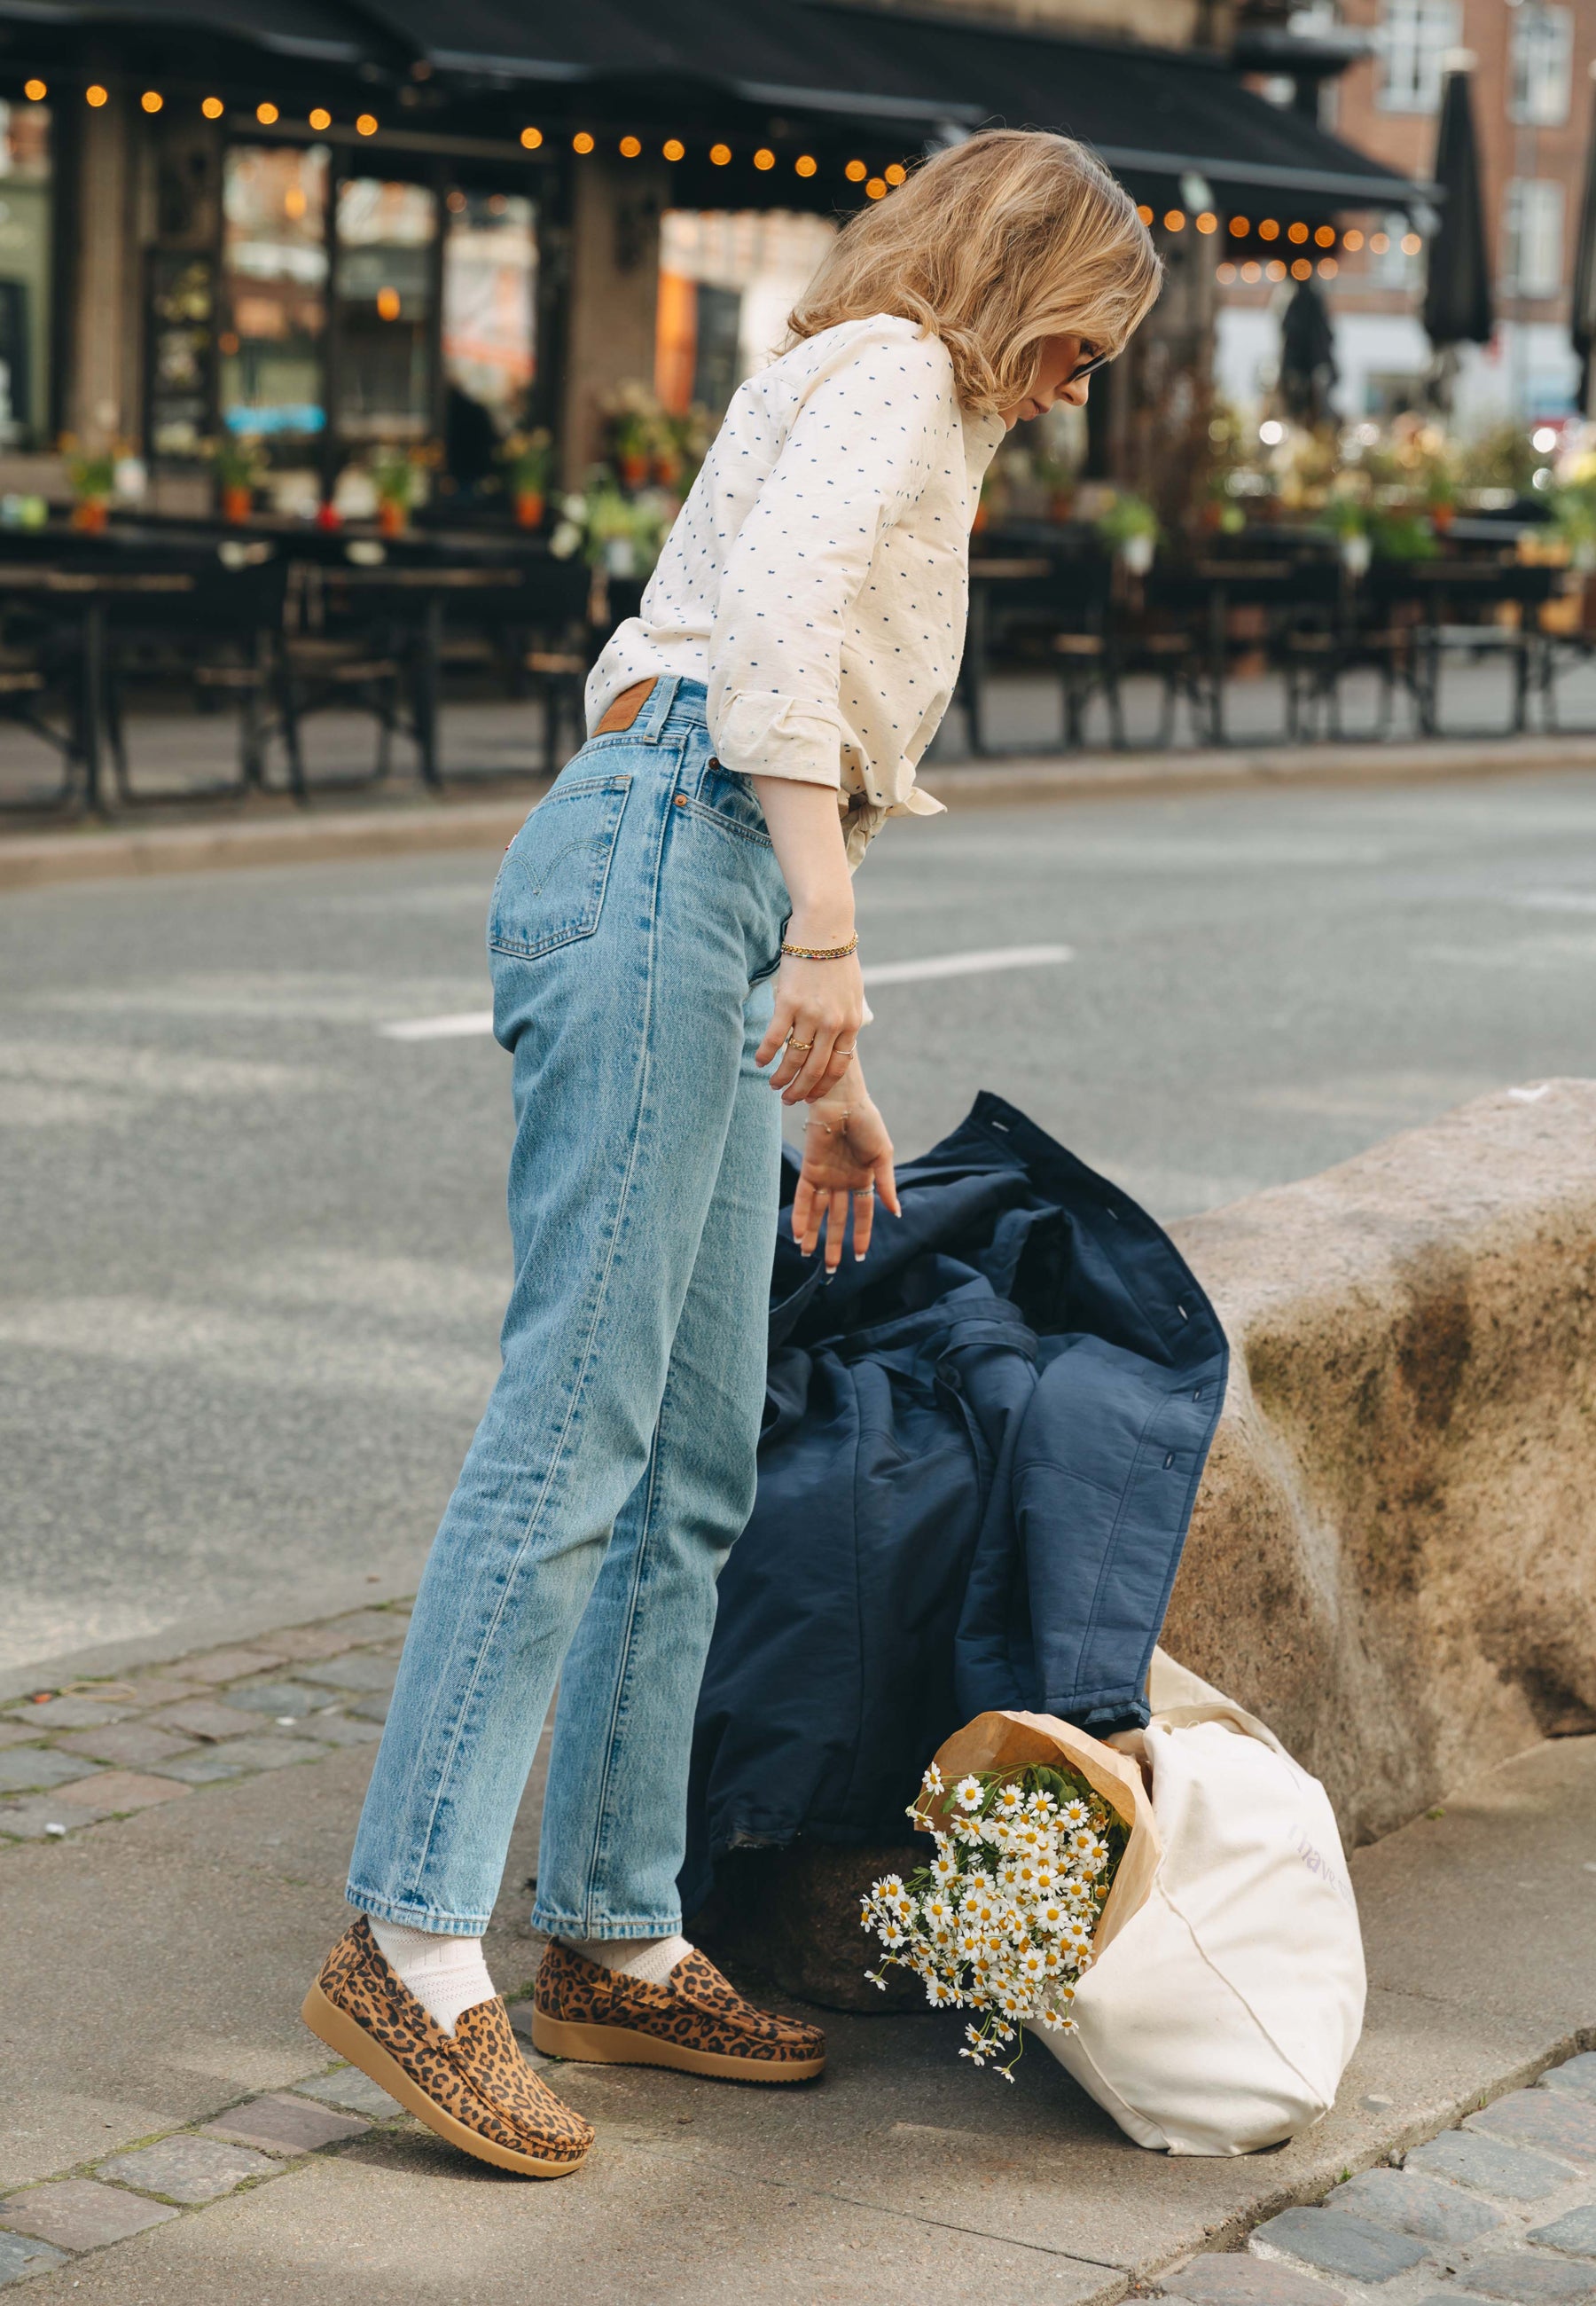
<point>1573,517</point>
<point>1129,527</point>
<point>237,461</point>
<point>93,480</point>
<point>1346,517</point>
<point>527,459</point>
<point>636,423</point>
<point>393,476</point>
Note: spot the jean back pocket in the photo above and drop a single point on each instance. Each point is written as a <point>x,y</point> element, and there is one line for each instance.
<point>550,887</point>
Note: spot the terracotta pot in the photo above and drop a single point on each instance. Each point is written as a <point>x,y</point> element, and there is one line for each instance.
<point>667,471</point>
<point>1441,518</point>
<point>92,514</point>
<point>1060,504</point>
<point>529,508</point>
<point>391,517</point>
<point>633,470</point>
<point>238,502</point>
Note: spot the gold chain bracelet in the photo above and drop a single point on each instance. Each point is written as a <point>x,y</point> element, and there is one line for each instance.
<point>823,953</point>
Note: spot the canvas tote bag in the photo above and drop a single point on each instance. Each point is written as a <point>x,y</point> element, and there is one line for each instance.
<point>1226,1994</point>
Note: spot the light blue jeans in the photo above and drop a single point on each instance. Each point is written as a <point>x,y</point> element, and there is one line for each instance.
<point>634,927</point>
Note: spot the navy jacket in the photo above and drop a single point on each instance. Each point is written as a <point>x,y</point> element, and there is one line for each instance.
<point>980,1454</point>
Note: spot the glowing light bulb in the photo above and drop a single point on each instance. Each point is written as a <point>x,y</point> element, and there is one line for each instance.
<point>1225,274</point>
<point>1238,227</point>
<point>366,125</point>
<point>1174,220</point>
<point>34,91</point>
<point>95,96</point>
<point>805,165</point>
<point>1328,268</point>
<point>630,146</point>
<point>1297,232</point>
<point>721,155</point>
<point>895,173</point>
<point>320,118</point>
<point>1301,269</point>
<point>266,114</point>
<point>532,138</point>
<point>876,188</point>
<point>1207,221</point>
<point>387,304</point>
<point>674,148</point>
<point>1268,229</point>
<point>764,158</point>
<point>153,100</point>
<point>1353,241</point>
<point>1144,213</point>
<point>856,172</point>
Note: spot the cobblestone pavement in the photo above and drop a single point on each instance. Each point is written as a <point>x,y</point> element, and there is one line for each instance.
<point>1499,2210</point>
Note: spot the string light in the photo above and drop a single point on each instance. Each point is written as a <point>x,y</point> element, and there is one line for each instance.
<point>1207,221</point>
<point>721,155</point>
<point>266,114</point>
<point>875,189</point>
<point>1252,272</point>
<point>1328,268</point>
<point>366,125</point>
<point>675,150</point>
<point>531,138</point>
<point>153,100</point>
<point>1379,244</point>
<point>1411,243</point>
<point>1297,232</point>
<point>1238,227</point>
<point>1353,241</point>
<point>1325,237</point>
<point>895,173</point>
<point>1174,220</point>
<point>1144,213</point>
<point>387,304</point>
<point>582,141</point>
<point>764,158</point>
<point>856,172</point>
<point>630,146</point>
<point>95,96</point>
<point>1268,229</point>
<point>456,202</point>
<point>1301,269</point>
<point>294,202</point>
<point>1225,274</point>
<point>34,91</point>
<point>1275,268</point>
<point>805,165</point>
<point>319,119</point>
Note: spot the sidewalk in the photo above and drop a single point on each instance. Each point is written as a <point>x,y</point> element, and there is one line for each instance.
<point>156,1950</point>
<point>269,830</point>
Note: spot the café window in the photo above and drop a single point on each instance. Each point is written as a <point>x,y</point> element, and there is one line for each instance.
<point>1412,37</point>
<point>728,280</point>
<point>1532,237</point>
<point>270,373</point>
<point>25,267</point>
<point>1541,64</point>
<point>387,300</point>
<point>490,305</point>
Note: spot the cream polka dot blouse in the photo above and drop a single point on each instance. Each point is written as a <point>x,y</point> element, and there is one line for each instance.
<point>817,579</point>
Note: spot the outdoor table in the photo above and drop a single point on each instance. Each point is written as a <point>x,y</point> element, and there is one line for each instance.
<point>1212,587</point>
<point>1440,589</point>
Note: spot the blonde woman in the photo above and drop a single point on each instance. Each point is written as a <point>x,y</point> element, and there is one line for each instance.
<point>674,960</point>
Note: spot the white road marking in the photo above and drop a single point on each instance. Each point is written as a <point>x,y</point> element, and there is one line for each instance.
<point>467,1021</point>
<point>1557,901</point>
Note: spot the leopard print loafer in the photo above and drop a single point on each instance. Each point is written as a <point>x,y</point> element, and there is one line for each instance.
<point>695,2021</point>
<point>473,2086</point>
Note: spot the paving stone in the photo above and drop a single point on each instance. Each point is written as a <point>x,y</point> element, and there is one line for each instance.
<point>27,1769</point>
<point>374,1708</point>
<point>45,1818</point>
<point>203,1717</point>
<point>202,1766</point>
<point>1527,2278</point>
<point>338,1730</point>
<point>274,1697</point>
<point>1576,2077</point>
<point>1574,2232</point>
<point>68,1713</point>
<point>19,2258</point>
<point>371,1625</point>
<point>285,2125</point>
<point>1536,2117</point>
<point>80,2214</point>
<point>116,1792</point>
<point>361,1670</point>
<point>190,2169</point>
<point>1239,2279</point>
<point>304,1642</point>
<point>229,1665</point>
<point>356,2092</point>
<point>162,1689</point>
<point>1338,2244</point>
<point>272,1753</point>
<point>18,1733</point>
<point>134,1744</point>
<point>1414,2205</point>
<point>1486,2163</point>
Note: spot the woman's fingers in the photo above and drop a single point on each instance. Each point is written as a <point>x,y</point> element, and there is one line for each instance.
<point>886,1184</point>
<point>863,1218</point>
<point>804,1087</point>
<point>775,1033</point>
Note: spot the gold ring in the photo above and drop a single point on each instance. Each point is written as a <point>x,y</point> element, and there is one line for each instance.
<point>800,1045</point>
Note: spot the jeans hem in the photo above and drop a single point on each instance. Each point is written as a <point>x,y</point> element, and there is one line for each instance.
<point>411,1916</point>
<point>568,1925</point>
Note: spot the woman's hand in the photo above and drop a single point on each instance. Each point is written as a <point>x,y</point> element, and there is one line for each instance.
<point>847,1160</point>
<point>820,1009</point>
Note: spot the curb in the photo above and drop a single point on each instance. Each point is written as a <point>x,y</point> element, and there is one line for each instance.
<point>32,860</point>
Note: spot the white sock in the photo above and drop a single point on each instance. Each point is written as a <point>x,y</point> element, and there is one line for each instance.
<point>447,1975</point>
<point>652,1960</point>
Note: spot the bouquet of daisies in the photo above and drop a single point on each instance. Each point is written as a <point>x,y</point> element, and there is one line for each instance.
<point>1001,1921</point>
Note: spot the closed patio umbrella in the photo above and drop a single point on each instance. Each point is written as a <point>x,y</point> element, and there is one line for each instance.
<point>1457,300</point>
<point>1582,298</point>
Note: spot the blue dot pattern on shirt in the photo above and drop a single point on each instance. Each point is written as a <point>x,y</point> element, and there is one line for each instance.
<point>817,578</point>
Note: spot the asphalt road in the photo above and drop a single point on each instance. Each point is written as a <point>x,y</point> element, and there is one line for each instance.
<point>255,1251</point>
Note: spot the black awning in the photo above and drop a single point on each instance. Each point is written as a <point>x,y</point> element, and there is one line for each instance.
<point>320,31</point>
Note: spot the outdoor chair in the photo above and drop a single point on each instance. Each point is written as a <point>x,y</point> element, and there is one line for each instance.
<point>47,634</point>
<point>350,645</point>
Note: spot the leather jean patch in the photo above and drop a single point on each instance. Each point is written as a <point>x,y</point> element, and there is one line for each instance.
<point>626,708</point>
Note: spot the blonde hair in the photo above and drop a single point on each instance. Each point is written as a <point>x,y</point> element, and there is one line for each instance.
<point>1013,235</point>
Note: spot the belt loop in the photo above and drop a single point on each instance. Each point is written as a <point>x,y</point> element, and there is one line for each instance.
<point>649,726</point>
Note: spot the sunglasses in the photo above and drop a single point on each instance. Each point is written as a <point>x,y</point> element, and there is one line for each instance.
<point>1086,367</point>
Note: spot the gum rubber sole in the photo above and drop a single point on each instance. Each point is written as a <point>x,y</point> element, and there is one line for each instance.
<point>627,2046</point>
<point>342,2034</point>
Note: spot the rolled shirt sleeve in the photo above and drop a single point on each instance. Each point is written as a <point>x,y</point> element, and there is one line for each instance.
<point>855,458</point>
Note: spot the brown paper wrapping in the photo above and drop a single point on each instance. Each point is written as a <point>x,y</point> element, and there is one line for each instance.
<point>1011,1741</point>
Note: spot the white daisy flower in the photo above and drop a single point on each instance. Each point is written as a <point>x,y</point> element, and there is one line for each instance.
<point>968,1793</point>
<point>933,1780</point>
<point>1011,1800</point>
<point>938,1994</point>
